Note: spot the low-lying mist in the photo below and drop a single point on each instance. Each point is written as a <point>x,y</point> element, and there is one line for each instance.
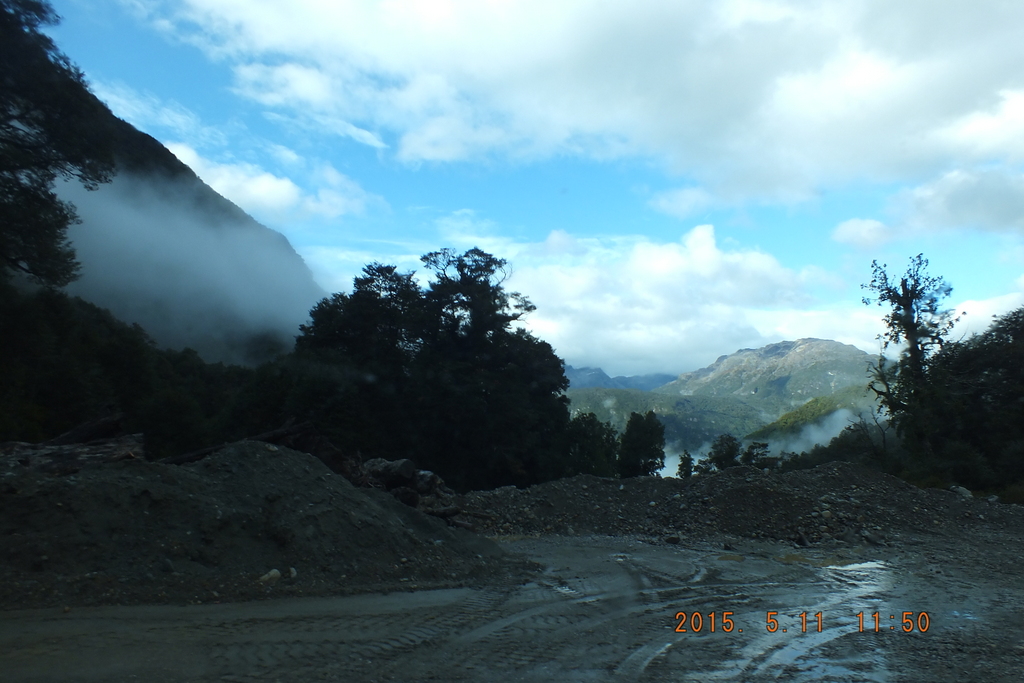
<point>819,433</point>
<point>234,291</point>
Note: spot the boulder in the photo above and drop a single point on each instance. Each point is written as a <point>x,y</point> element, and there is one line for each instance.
<point>391,473</point>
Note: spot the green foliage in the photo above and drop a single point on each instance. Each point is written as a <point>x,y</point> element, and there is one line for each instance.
<point>855,399</point>
<point>642,446</point>
<point>725,451</point>
<point>976,413</point>
<point>438,374</point>
<point>51,127</point>
<point>690,421</point>
<point>685,468</point>
<point>64,362</point>
<point>592,448</point>
<point>915,320</point>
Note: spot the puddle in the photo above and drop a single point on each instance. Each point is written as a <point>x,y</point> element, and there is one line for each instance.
<point>838,592</point>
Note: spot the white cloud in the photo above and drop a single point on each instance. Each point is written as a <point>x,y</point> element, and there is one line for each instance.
<point>751,99</point>
<point>977,314</point>
<point>865,233</point>
<point>255,190</point>
<point>146,111</point>
<point>276,199</point>
<point>995,132</point>
<point>682,202</point>
<point>986,199</point>
<point>632,305</point>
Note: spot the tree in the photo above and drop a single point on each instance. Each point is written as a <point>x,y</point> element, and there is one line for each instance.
<point>917,321</point>
<point>685,468</point>
<point>51,127</point>
<point>642,446</point>
<point>756,455</point>
<point>593,447</point>
<point>725,450</point>
<point>438,374</point>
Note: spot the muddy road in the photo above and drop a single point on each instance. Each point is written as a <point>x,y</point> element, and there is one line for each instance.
<point>602,609</point>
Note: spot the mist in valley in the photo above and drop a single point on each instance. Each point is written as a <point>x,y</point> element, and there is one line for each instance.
<point>819,433</point>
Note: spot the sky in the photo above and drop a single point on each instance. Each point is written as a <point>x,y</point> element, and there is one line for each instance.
<point>669,181</point>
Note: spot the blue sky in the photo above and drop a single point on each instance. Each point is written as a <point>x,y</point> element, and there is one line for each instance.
<point>670,181</point>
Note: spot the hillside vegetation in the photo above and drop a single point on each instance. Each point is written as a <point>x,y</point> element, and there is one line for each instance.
<point>690,421</point>
<point>855,399</point>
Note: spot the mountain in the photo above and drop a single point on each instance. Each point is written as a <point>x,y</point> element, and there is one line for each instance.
<point>748,393</point>
<point>161,248</point>
<point>583,378</point>
<point>778,377</point>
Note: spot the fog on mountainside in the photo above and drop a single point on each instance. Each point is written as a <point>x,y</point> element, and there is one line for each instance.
<point>232,289</point>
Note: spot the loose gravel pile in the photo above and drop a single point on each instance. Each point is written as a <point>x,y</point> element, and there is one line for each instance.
<point>834,502</point>
<point>256,520</point>
<point>251,520</point>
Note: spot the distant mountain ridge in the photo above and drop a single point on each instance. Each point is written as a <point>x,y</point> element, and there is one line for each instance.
<point>737,394</point>
<point>778,377</point>
<point>584,378</point>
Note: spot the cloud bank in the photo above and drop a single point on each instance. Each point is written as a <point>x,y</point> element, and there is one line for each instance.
<point>749,99</point>
<point>231,291</point>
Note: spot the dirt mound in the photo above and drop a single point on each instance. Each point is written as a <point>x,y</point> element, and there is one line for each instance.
<point>135,531</point>
<point>837,501</point>
<point>101,525</point>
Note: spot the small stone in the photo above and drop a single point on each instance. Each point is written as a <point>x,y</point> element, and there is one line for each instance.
<point>270,577</point>
<point>672,539</point>
<point>652,504</point>
<point>292,573</point>
<point>962,492</point>
<point>827,514</point>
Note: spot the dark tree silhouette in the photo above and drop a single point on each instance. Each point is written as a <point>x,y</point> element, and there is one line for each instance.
<point>916,320</point>
<point>642,446</point>
<point>725,450</point>
<point>51,127</point>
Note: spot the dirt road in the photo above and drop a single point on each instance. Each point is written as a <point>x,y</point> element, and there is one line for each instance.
<point>603,609</point>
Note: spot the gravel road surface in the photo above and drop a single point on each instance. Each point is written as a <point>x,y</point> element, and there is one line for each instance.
<point>601,609</point>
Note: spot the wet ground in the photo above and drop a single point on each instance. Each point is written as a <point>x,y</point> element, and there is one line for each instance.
<point>603,609</point>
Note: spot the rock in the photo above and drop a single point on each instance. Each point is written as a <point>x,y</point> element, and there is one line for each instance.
<point>292,573</point>
<point>271,577</point>
<point>993,499</point>
<point>673,539</point>
<point>426,482</point>
<point>391,473</point>
<point>965,493</point>
<point>872,538</point>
